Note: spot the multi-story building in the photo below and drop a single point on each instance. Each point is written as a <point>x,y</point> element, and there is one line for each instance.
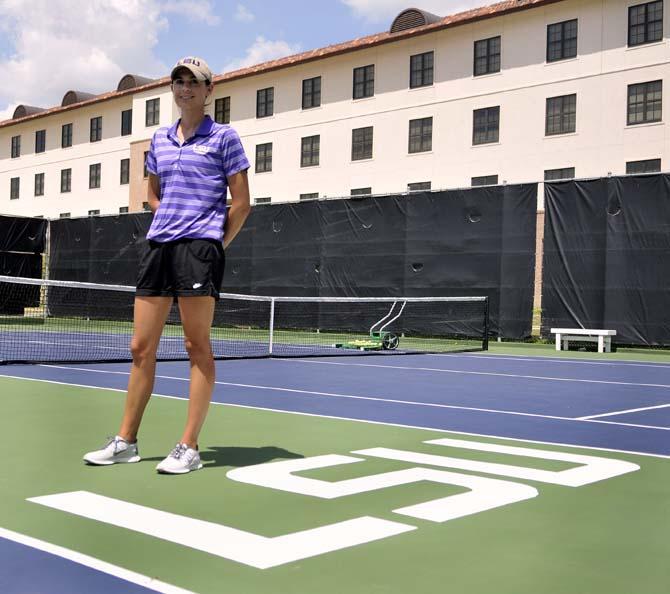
<point>521,91</point>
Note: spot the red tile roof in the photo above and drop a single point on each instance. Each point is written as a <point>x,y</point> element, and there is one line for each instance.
<point>454,20</point>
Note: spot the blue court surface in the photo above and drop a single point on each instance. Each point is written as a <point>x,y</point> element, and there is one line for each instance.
<point>610,408</point>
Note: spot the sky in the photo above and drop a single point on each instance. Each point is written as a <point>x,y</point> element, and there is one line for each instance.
<point>48,47</point>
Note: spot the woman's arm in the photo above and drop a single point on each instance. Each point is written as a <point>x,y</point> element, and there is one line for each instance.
<point>154,192</point>
<point>240,207</point>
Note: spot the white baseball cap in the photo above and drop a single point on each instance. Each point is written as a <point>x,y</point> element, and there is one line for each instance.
<point>197,66</point>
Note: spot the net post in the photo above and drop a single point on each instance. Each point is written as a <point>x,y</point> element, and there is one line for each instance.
<point>44,291</point>
<point>485,342</point>
<point>272,323</point>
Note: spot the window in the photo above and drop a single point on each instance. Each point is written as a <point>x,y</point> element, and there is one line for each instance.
<point>311,92</point>
<point>145,172</point>
<point>364,81</point>
<point>93,212</point>
<point>66,180</point>
<point>361,192</point>
<point>263,157</point>
<point>562,41</point>
<point>421,70</point>
<point>265,102</point>
<point>420,135</point>
<point>561,116</point>
<point>14,185</point>
<point>310,196</point>
<point>96,129</point>
<point>264,200</point>
<point>645,23</point>
<point>126,122</point>
<point>16,147</point>
<point>647,166</point>
<point>645,102</point>
<point>125,172</point>
<point>486,125</point>
<point>419,187</point>
<point>123,209</point>
<point>484,180</point>
<point>94,176</point>
<point>40,141</point>
<point>222,110</point>
<point>309,151</point>
<point>487,56</point>
<point>39,184</point>
<point>64,215</point>
<point>556,174</point>
<point>66,136</point>
<point>361,143</point>
<point>153,112</point>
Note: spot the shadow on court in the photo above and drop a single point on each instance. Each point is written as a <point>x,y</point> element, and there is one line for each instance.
<point>215,456</point>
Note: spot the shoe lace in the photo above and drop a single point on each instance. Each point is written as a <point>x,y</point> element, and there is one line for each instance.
<point>178,451</point>
<point>114,440</point>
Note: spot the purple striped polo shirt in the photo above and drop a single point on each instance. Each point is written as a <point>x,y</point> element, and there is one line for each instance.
<point>193,180</point>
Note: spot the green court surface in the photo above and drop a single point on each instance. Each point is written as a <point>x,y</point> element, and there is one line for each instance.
<point>605,537</point>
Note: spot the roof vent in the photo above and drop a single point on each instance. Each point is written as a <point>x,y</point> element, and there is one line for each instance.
<point>411,18</point>
<point>22,111</point>
<point>130,81</point>
<point>75,97</point>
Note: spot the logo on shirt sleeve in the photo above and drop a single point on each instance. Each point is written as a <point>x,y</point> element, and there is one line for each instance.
<point>200,149</point>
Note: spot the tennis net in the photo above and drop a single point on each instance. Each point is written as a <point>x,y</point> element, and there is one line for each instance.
<point>61,321</point>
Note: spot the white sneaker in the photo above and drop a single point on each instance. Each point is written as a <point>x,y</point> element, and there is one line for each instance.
<point>117,450</point>
<point>181,460</point>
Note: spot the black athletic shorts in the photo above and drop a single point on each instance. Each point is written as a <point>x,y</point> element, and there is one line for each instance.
<point>182,268</point>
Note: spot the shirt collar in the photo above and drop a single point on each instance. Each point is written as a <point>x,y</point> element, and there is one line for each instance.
<point>204,129</point>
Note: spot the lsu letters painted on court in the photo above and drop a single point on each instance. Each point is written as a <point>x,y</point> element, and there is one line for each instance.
<point>266,552</point>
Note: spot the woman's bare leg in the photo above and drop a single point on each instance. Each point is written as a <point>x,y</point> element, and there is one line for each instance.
<point>197,314</point>
<point>150,315</point>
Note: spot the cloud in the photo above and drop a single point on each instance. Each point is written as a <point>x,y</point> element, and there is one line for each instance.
<point>384,11</point>
<point>59,45</point>
<point>6,114</point>
<point>263,50</point>
<point>243,14</point>
<point>194,10</point>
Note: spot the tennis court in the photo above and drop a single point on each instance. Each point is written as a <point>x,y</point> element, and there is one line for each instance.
<point>473,472</point>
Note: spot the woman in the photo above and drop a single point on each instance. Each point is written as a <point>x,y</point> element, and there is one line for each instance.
<point>190,165</point>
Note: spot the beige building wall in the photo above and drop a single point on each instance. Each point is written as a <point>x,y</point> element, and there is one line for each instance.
<point>600,75</point>
<point>108,152</point>
<point>138,181</point>
<point>601,144</point>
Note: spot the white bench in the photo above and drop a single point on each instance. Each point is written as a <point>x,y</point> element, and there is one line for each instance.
<point>602,337</point>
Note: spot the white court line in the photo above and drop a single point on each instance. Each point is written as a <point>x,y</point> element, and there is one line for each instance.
<point>93,563</point>
<point>77,344</point>
<point>553,359</point>
<point>372,398</point>
<point>486,373</point>
<point>330,394</point>
<point>623,412</point>
<point>371,422</point>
